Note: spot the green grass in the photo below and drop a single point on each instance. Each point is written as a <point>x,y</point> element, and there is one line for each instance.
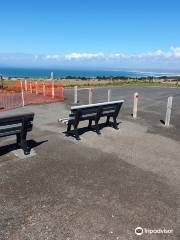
<point>105,83</point>
<point>125,84</point>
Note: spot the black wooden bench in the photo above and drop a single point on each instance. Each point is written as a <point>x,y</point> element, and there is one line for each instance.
<point>17,125</point>
<point>92,112</point>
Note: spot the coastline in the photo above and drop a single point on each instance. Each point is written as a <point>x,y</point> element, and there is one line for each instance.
<point>44,73</point>
<point>102,78</point>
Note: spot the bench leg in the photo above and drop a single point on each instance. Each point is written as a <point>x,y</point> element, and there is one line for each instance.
<point>18,140</point>
<point>97,127</point>
<point>115,123</point>
<point>90,124</point>
<point>24,145</point>
<point>76,134</point>
<point>76,130</point>
<point>107,121</point>
<point>68,129</point>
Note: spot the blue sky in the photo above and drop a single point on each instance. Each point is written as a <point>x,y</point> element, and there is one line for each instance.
<point>90,33</point>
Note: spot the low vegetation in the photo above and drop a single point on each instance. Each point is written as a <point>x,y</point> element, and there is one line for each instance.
<point>105,82</point>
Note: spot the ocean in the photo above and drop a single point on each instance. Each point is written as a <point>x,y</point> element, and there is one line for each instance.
<point>61,73</point>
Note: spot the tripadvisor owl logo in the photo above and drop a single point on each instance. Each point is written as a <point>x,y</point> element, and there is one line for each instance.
<point>139,231</point>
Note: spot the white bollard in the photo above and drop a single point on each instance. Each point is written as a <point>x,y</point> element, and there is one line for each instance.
<point>36,83</point>
<point>136,97</point>
<point>44,89</point>
<point>90,95</point>
<point>75,95</point>
<point>168,112</point>
<point>109,95</point>
<point>22,94</point>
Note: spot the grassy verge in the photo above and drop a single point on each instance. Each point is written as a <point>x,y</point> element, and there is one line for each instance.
<point>7,83</point>
<point>106,83</point>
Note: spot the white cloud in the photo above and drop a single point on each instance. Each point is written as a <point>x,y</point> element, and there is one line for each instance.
<point>175,52</point>
<point>149,59</point>
<point>84,56</point>
<point>52,57</point>
<point>172,53</point>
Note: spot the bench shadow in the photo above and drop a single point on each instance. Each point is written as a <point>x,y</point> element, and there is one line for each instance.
<point>83,130</point>
<point>11,147</point>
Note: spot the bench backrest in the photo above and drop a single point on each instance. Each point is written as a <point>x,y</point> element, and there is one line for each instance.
<point>15,119</point>
<point>100,108</point>
<point>15,123</point>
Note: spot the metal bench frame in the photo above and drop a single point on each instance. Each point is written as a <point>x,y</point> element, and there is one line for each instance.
<point>17,125</point>
<point>92,112</point>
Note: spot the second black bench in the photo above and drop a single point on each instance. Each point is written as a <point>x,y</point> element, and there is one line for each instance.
<point>92,112</point>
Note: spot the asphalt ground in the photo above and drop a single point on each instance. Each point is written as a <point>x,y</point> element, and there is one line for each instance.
<point>101,187</point>
<point>152,105</point>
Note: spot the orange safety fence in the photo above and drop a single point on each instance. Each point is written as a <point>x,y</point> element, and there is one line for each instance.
<point>45,88</point>
<point>33,93</point>
<point>10,100</point>
<point>14,99</point>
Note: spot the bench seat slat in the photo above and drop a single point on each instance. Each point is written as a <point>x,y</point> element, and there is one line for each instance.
<point>92,117</point>
<point>15,129</point>
<point>104,113</point>
<point>93,113</point>
<point>86,111</point>
<point>97,105</point>
<point>10,126</point>
<point>13,132</point>
<point>10,122</point>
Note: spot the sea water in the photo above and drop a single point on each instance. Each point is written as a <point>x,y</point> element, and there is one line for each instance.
<point>62,73</point>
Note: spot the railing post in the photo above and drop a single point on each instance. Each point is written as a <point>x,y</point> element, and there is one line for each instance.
<point>25,85</point>
<point>75,95</point>
<point>22,93</point>
<point>62,92</point>
<point>52,88</point>
<point>90,95</point>
<point>136,97</point>
<point>44,89</point>
<point>109,95</point>
<point>30,87</point>
<point>168,112</point>
<point>36,83</point>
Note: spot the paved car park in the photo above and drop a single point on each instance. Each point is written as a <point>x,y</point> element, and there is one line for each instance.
<point>101,187</point>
